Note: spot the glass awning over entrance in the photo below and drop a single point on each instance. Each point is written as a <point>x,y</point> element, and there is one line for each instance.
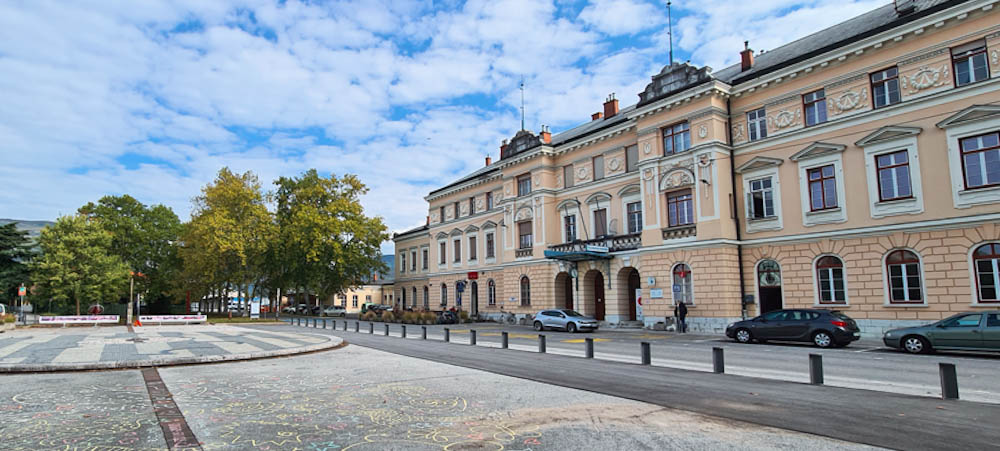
<point>577,256</point>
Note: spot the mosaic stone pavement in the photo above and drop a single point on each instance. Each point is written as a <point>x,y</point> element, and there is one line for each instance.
<point>115,344</point>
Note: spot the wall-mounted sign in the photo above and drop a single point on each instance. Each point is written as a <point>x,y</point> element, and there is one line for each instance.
<point>656,293</point>
<point>473,275</point>
<point>651,281</point>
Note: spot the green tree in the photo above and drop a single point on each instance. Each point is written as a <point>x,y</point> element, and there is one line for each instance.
<point>326,243</point>
<point>144,237</point>
<point>15,253</point>
<point>76,263</point>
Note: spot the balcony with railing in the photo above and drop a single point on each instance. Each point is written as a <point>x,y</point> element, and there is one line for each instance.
<point>613,243</point>
<point>681,231</point>
<point>523,252</point>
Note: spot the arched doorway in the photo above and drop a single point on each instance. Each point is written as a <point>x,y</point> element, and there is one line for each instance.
<point>593,283</point>
<point>768,286</point>
<point>564,291</point>
<point>474,298</point>
<point>628,283</point>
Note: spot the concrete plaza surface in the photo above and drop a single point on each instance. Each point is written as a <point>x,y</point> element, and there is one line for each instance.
<point>356,398</point>
<point>87,348</point>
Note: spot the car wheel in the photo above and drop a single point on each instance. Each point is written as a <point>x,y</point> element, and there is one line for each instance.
<point>915,344</point>
<point>538,326</point>
<point>822,339</point>
<point>743,335</point>
<point>571,328</point>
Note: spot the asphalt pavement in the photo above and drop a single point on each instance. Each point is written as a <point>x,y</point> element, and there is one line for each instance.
<point>872,417</point>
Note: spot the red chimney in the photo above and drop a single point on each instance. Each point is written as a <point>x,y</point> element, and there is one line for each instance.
<point>503,147</point>
<point>596,116</point>
<point>545,135</point>
<point>611,106</point>
<point>746,57</point>
<point>429,217</point>
<point>488,160</point>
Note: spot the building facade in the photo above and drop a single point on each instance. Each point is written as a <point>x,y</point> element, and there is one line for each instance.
<point>857,168</point>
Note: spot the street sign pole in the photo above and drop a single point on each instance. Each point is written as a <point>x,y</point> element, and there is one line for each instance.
<point>131,290</point>
<point>22,291</point>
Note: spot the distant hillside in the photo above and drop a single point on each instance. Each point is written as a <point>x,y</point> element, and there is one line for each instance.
<point>34,228</point>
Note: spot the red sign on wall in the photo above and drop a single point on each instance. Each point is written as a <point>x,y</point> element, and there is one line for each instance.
<point>472,275</point>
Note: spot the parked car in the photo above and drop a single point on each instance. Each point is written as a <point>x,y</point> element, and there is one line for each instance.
<point>822,327</point>
<point>970,331</point>
<point>447,317</point>
<point>288,309</point>
<point>565,319</point>
<point>334,310</point>
<point>301,309</point>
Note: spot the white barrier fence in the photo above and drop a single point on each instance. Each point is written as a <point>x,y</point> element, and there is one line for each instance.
<point>78,319</point>
<point>173,319</point>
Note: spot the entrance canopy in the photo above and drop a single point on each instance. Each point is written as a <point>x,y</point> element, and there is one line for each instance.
<point>578,255</point>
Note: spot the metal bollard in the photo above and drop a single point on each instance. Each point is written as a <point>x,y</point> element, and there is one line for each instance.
<point>647,358</point>
<point>541,343</point>
<point>816,369</point>
<point>503,340</point>
<point>357,325</point>
<point>718,361</point>
<point>590,348</point>
<point>298,321</point>
<point>404,331</point>
<point>371,328</point>
<point>334,324</point>
<point>345,325</point>
<point>386,330</point>
<point>447,334</point>
<point>472,337</point>
<point>949,380</point>
<point>423,332</point>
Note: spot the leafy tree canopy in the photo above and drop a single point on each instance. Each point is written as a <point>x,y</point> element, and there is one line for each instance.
<point>15,253</point>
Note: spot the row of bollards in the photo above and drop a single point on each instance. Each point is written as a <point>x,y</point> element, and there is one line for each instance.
<point>947,371</point>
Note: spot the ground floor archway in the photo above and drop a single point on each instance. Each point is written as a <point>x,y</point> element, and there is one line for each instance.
<point>594,299</point>
<point>628,283</point>
<point>564,291</point>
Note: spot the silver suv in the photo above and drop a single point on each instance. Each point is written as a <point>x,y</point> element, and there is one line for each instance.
<point>565,319</point>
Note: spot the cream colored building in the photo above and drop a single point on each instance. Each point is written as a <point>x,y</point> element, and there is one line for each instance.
<point>857,168</point>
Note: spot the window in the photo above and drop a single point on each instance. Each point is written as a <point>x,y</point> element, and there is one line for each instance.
<point>403,297</point>
<point>970,64</point>
<point>814,104</point>
<point>981,160</point>
<point>569,225</point>
<point>760,199</point>
<point>893,176</point>
<point>354,301</point>
<point>634,212</point>
<point>524,185</point>
<point>441,212</point>
<point>444,294</point>
<point>600,222</point>
<point>472,248</point>
<point>568,178</point>
<point>343,300</point>
<point>598,167</point>
<point>830,274</point>
<point>524,239</point>
<point>757,124</point>
<point>632,158</point>
<point>822,188</point>
<point>427,299</point>
<point>489,201</point>
<point>680,208</point>
<point>885,87</point>
<point>993,320</point>
<point>458,250</point>
<point>489,245</point>
<point>525,291</point>
<point>424,252</point>
<point>368,298</point>
<point>413,261</point>
<point>970,320</point>
<point>491,293</point>
<point>683,290</point>
<point>676,138</point>
<point>986,260</point>
<point>443,251</point>
<point>457,209</point>
<point>413,292</point>
<point>903,268</point>
<point>402,263</point>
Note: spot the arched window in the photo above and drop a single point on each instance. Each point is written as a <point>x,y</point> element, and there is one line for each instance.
<point>683,288</point>
<point>830,274</point>
<point>427,298</point>
<point>444,294</point>
<point>491,293</point>
<point>986,260</point>
<point>413,291</point>
<point>525,291</point>
<point>903,268</point>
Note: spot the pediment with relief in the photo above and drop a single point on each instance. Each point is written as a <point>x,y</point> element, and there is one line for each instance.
<point>676,178</point>
<point>971,114</point>
<point>758,163</point>
<point>817,149</point>
<point>888,133</point>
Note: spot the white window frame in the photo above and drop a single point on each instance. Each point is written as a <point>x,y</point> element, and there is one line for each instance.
<point>911,206</point>
<point>758,124</point>
<point>576,226</point>
<point>967,198</point>
<point>887,287</point>
<point>427,250</point>
<point>974,276</point>
<point>472,259</point>
<point>627,219</point>
<point>815,277</point>
<point>491,292</point>
<point>763,224</point>
<point>673,296</point>
<point>830,216</point>
<point>443,262</point>
<point>486,256</point>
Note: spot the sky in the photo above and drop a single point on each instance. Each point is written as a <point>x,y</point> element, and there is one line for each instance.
<point>151,98</point>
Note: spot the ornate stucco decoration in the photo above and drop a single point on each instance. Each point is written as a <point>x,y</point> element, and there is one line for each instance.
<point>434,217</point>
<point>925,78</point>
<point>676,178</point>
<point>538,181</point>
<point>738,132</point>
<point>465,210</point>
<point>479,204</point>
<point>498,196</point>
<point>785,119</point>
<point>850,100</point>
<point>702,131</point>
<point>614,164</point>
<point>581,174</point>
<point>506,190</point>
<point>646,149</point>
<point>523,214</point>
<point>995,59</point>
<point>559,181</point>
<point>647,174</point>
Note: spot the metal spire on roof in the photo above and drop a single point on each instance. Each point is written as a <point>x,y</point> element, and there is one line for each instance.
<point>522,102</point>
<point>670,33</point>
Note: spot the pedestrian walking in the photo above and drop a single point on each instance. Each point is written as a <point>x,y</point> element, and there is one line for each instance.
<point>681,312</point>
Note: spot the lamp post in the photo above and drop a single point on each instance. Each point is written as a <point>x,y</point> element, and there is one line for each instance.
<point>131,295</point>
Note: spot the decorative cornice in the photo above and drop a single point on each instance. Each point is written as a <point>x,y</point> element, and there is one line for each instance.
<point>923,56</point>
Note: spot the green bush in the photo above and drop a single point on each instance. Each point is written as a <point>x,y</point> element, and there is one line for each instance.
<point>463,315</point>
<point>9,318</point>
<point>409,318</point>
<point>429,317</point>
<point>368,316</point>
<point>388,317</point>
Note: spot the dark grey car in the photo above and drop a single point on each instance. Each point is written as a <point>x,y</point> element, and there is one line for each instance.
<point>822,327</point>
<point>970,331</point>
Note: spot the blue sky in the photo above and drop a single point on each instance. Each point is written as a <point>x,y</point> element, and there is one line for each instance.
<point>152,98</point>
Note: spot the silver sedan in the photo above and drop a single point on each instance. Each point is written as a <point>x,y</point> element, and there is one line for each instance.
<point>565,319</point>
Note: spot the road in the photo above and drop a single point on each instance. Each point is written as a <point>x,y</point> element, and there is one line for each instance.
<point>864,365</point>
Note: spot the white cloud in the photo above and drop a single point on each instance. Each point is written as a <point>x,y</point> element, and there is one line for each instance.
<point>622,17</point>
